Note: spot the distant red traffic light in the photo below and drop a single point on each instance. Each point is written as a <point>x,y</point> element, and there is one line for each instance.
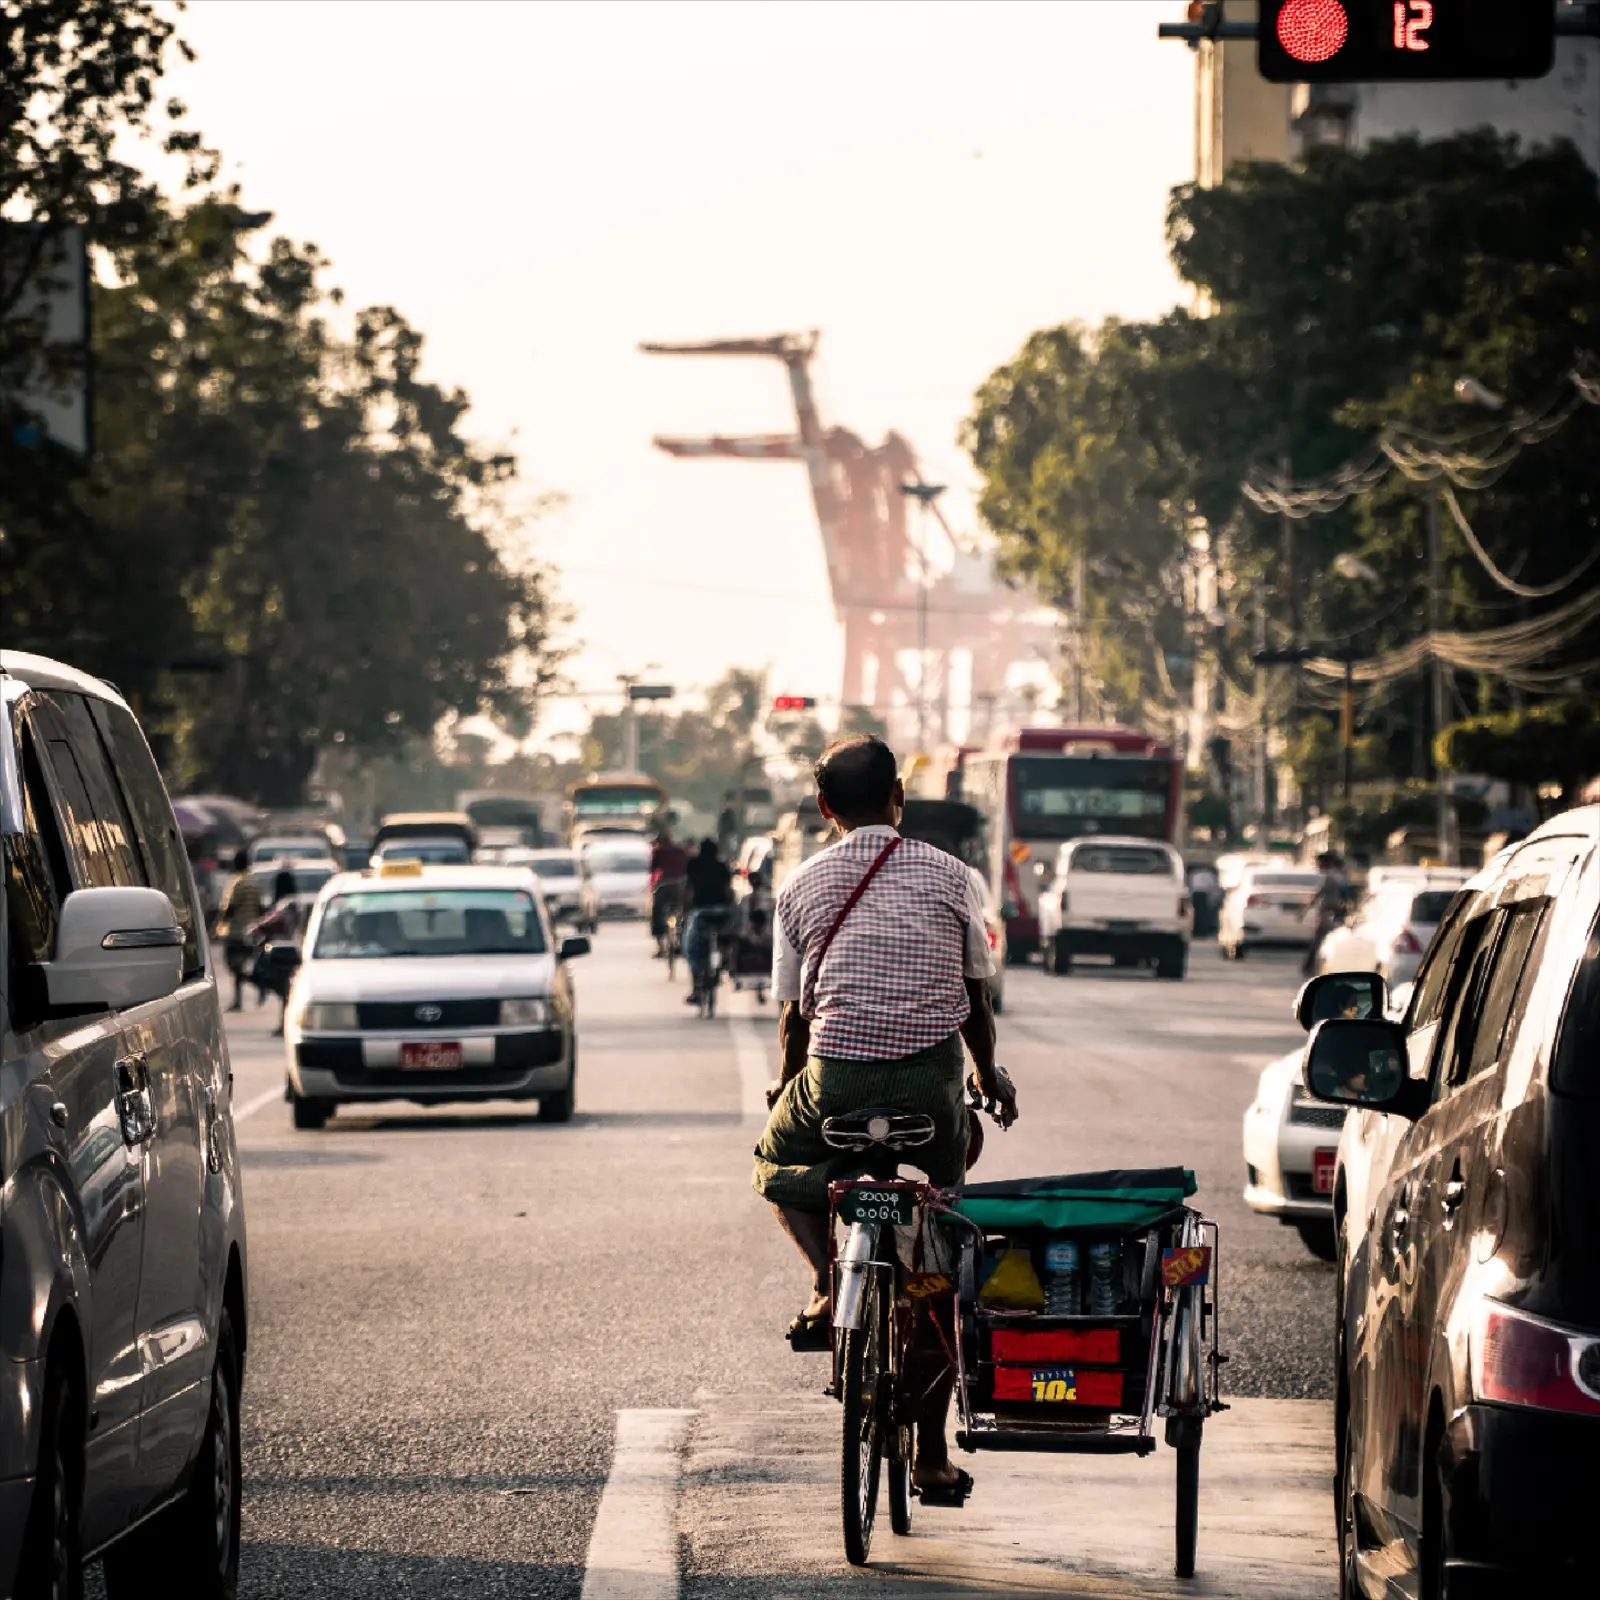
<point>792,702</point>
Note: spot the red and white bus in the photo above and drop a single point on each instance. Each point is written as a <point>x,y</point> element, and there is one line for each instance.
<point>1043,786</point>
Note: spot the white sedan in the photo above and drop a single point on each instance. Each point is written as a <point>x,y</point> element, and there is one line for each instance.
<point>431,984</point>
<point>1393,927</point>
<point>1270,905</point>
<point>616,879</point>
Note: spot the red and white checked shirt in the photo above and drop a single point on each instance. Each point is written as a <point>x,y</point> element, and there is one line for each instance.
<point>892,981</point>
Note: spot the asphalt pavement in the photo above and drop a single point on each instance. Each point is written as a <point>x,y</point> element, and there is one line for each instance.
<point>467,1327</point>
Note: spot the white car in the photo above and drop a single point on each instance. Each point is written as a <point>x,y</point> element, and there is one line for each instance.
<point>431,984</point>
<point>1393,927</point>
<point>560,874</point>
<point>1291,1140</point>
<point>1123,898</point>
<point>272,849</point>
<point>1269,905</point>
<point>617,879</point>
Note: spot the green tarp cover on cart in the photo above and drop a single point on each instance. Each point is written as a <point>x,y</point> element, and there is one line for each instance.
<point>1127,1199</point>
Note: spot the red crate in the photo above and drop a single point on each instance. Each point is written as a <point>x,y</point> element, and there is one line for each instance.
<point>1099,1389</point>
<point>1102,1346</point>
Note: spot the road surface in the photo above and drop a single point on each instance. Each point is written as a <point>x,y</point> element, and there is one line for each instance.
<point>491,1357</point>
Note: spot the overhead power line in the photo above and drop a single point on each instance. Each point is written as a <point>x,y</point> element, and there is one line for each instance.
<point>1526,591</point>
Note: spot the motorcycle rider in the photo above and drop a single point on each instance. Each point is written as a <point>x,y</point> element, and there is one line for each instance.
<point>879,993</point>
<point>708,901</point>
<point>1327,905</point>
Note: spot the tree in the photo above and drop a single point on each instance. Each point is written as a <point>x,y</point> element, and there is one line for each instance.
<point>1557,743</point>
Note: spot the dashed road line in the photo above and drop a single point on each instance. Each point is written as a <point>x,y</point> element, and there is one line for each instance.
<point>250,1107</point>
<point>633,1551</point>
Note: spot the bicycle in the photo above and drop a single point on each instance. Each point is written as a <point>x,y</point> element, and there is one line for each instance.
<point>906,1291</point>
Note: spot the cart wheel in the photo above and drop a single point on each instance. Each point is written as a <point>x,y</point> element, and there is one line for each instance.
<point>902,1448</point>
<point>861,1459</point>
<point>1188,1517</point>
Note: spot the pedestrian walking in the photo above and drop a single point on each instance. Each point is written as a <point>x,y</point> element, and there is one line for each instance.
<point>241,910</point>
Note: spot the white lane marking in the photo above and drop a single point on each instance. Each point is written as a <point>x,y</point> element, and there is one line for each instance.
<point>755,1072</point>
<point>250,1107</point>
<point>633,1551</point>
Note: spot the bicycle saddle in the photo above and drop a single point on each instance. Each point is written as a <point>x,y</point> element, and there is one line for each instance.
<point>892,1130</point>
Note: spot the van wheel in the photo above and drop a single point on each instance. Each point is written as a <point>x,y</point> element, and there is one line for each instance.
<point>558,1107</point>
<point>194,1545</point>
<point>1060,958</point>
<point>1173,966</point>
<point>52,1554</point>
<point>310,1115</point>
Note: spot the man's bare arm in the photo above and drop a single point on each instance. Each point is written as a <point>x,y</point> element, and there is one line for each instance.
<point>794,1046</point>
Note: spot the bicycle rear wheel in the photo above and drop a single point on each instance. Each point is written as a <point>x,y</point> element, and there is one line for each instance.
<point>901,1447</point>
<point>861,1458</point>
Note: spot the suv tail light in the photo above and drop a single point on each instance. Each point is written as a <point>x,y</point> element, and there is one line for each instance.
<point>1253,900</point>
<point>1521,1360</point>
<point>1407,944</point>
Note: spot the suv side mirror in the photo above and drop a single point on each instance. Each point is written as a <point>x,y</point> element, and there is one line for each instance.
<point>1361,1062</point>
<point>571,948</point>
<point>1353,996</point>
<point>115,947</point>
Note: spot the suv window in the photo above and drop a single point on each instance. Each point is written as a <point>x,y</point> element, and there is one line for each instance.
<point>1463,992</point>
<point>88,804</point>
<point>36,882</point>
<point>1507,981</point>
<point>166,863</point>
<point>1428,1000</point>
<point>1576,1066</point>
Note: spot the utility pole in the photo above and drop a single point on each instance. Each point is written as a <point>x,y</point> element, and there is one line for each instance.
<point>633,693</point>
<point>1447,852</point>
<point>1080,580</point>
<point>924,494</point>
<point>1263,806</point>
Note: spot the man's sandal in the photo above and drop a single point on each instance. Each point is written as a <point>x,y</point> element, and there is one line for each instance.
<point>946,1494</point>
<point>810,1332</point>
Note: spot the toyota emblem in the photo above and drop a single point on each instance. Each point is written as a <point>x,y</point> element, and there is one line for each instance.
<point>429,1013</point>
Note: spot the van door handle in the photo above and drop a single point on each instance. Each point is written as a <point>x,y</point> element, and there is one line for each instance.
<point>1454,1193</point>
<point>134,1107</point>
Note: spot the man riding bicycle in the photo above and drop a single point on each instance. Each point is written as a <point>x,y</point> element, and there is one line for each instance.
<point>708,900</point>
<point>879,991</point>
<point>669,866</point>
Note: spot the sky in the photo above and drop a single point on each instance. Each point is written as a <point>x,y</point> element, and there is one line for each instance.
<point>538,186</point>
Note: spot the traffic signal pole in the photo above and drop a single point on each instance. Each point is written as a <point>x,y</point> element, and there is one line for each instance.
<point>1441,793</point>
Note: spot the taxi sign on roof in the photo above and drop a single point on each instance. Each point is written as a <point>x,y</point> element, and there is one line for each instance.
<point>400,869</point>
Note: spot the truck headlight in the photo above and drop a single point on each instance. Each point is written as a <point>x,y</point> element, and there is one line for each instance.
<point>524,1013</point>
<point>323,1017</point>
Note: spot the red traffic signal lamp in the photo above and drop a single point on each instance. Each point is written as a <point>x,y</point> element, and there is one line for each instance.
<point>793,702</point>
<point>1404,41</point>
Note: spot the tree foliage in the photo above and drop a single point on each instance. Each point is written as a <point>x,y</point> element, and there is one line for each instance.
<point>296,508</point>
<point>1554,743</point>
<point>1337,294</point>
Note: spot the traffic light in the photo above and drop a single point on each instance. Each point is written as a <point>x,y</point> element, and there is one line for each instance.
<point>793,702</point>
<point>1404,41</point>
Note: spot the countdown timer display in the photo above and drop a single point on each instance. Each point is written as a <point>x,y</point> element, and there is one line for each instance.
<point>1374,41</point>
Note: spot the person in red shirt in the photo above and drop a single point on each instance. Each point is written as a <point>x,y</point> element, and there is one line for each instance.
<point>669,869</point>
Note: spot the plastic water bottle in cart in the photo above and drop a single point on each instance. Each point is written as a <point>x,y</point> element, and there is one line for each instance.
<point>1063,1290</point>
<point>1105,1264</point>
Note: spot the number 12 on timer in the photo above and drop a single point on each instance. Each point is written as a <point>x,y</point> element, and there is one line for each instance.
<point>1412,19</point>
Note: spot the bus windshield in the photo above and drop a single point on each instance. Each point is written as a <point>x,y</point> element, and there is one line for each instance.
<point>617,800</point>
<point>1064,797</point>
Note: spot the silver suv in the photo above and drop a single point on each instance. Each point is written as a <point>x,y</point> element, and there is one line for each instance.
<point>122,1254</point>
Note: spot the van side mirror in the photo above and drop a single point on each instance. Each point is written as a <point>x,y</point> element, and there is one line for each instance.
<point>572,948</point>
<point>1361,1063</point>
<point>1351,995</point>
<point>115,948</point>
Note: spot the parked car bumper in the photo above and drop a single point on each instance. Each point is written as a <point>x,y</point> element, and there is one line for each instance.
<point>1280,1158</point>
<point>1520,1488</point>
<point>504,1065</point>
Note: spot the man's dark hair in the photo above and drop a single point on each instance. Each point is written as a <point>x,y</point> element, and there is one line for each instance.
<point>241,860</point>
<point>856,776</point>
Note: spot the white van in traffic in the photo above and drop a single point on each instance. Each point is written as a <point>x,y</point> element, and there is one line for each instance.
<point>1122,898</point>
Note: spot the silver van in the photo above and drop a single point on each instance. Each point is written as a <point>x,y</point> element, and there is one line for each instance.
<point>122,1252</point>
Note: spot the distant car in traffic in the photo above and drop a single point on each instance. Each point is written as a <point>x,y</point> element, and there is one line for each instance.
<point>1467,1379</point>
<point>1392,927</point>
<point>616,879</point>
<point>438,838</point>
<point>309,878</point>
<point>560,875</point>
<point>123,1308</point>
<point>1122,898</point>
<point>431,984</point>
<point>270,849</point>
<point>1268,905</point>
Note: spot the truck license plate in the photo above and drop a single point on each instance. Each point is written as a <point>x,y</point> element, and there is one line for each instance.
<point>430,1057</point>
<point>1323,1165</point>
